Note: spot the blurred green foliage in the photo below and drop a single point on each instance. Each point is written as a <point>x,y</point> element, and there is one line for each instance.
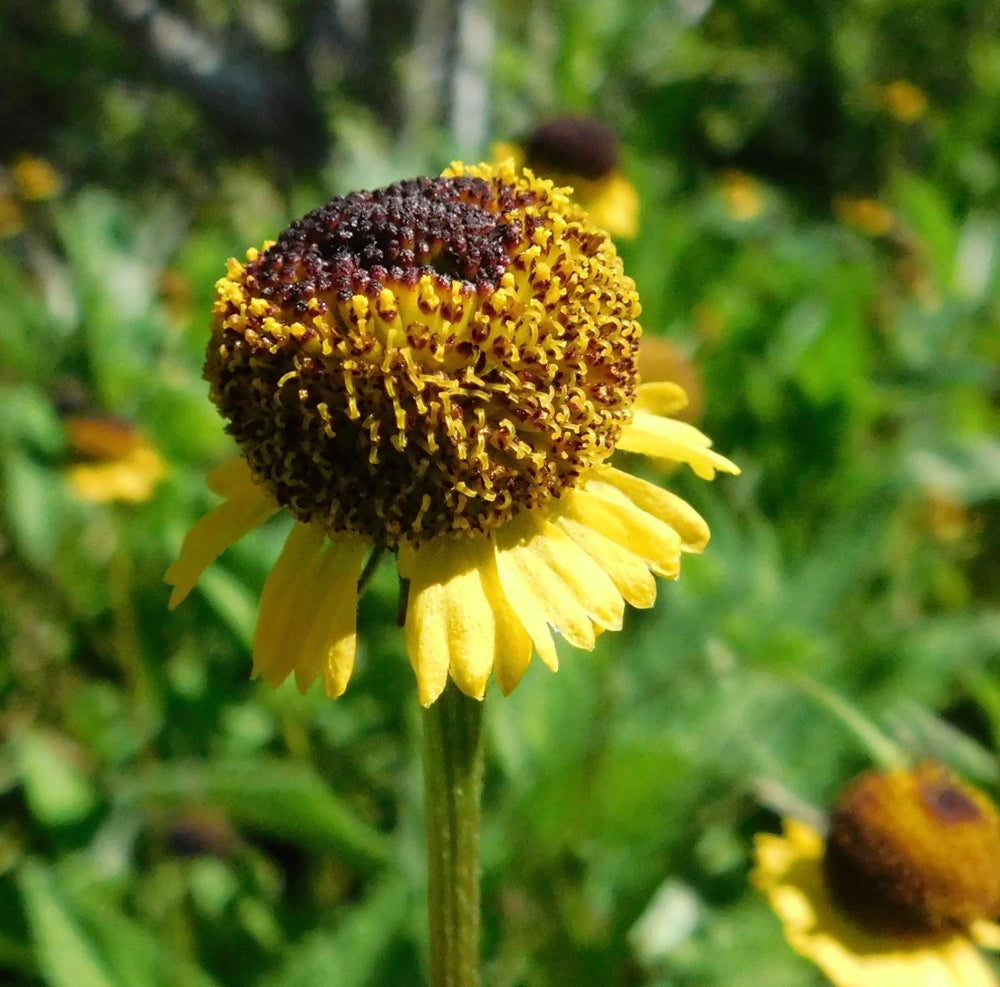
<point>821,245</point>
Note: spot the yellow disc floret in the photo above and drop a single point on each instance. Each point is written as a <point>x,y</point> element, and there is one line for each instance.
<point>428,358</point>
<point>914,851</point>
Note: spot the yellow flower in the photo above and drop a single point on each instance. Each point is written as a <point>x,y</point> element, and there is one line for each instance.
<point>905,101</point>
<point>868,215</point>
<point>742,194</point>
<point>947,517</point>
<point>582,152</point>
<point>11,217</point>
<point>35,178</point>
<point>123,464</point>
<point>900,891</point>
<point>442,368</point>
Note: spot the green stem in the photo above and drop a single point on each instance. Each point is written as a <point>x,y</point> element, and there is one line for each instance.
<point>453,780</point>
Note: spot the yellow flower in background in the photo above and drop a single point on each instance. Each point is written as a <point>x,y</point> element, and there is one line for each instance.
<point>663,360</point>
<point>581,152</point>
<point>742,194</point>
<point>442,368</point>
<point>11,217</point>
<point>905,101</point>
<point>35,179</point>
<point>868,215</point>
<point>947,517</point>
<point>901,890</point>
<point>123,464</point>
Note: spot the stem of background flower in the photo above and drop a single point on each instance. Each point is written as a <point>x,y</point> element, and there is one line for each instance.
<point>453,781</point>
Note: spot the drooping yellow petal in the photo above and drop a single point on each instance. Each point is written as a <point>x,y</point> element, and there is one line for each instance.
<point>572,591</point>
<point>232,479</point>
<point>628,572</point>
<point>662,504</point>
<point>328,633</point>
<point>789,871</point>
<point>523,600</point>
<point>513,643</point>
<point>450,623</point>
<point>661,397</point>
<point>284,604</point>
<point>667,438</point>
<point>592,586</point>
<point>247,506</point>
<point>617,518</point>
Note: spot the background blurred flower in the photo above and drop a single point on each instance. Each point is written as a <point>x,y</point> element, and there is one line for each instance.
<point>865,213</point>
<point>35,179</point>
<point>583,153</point>
<point>11,217</point>
<point>905,101</point>
<point>901,889</point>
<point>742,194</point>
<point>121,463</point>
<point>663,360</point>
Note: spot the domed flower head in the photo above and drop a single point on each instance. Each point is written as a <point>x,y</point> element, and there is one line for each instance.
<point>442,368</point>
<point>903,887</point>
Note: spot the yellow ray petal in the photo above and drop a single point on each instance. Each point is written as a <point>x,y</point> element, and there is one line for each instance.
<point>661,397</point>
<point>662,504</point>
<point>450,624</point>
<point>247,506</point>
<point>523,601</point>
<point>535,551</point>
<point>593,587</point>
<point>232,478</point>
<point>628,572</point>
<point>277,637</point>
<point>329,630</point>
<point>513,644</point>
<point>666,438</point>
<point>616,517</point>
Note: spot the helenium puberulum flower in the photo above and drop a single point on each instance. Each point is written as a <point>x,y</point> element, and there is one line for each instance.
<point>442,368</point>
<point>904,887</point>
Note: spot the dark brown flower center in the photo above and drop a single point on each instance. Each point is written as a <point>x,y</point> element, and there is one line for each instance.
<point>457,229</point>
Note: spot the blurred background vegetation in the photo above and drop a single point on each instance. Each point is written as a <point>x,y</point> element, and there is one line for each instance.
<point>817,255</point>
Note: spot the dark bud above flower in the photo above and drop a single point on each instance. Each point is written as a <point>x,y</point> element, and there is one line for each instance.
<point>914,852</point>
<point>569,146</point>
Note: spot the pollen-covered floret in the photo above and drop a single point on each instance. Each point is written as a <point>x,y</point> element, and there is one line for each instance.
<point>430,358</point>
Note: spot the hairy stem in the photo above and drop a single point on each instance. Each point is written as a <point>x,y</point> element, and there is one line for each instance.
<point>453,777</point>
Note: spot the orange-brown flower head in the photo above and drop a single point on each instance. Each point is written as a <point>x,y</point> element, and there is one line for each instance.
<point>914,851</point>
<point>430,358</point>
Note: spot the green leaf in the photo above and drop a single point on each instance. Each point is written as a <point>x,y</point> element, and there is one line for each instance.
<point>349,953</point>
<point>34,503</point>
<point>83,940</point>
<point>56,787</point>
<point>67,957</point>
<point>281,798</point>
